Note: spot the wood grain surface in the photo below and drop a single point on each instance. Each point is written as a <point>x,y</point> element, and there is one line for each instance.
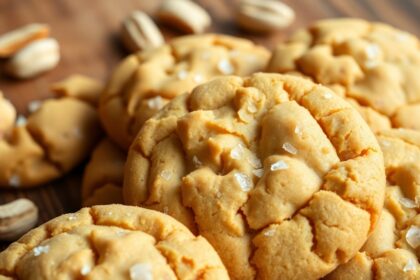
<point>88,35</point>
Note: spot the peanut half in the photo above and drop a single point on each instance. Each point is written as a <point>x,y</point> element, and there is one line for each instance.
<point>37,57</point>
<point>12,41</point>
<point>264,15</point>
<point>7,115</point>
<point>139,32</point>
<point>184,15</point>
<point>16,218</point>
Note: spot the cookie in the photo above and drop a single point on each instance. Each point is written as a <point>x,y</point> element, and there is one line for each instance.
<point>373,64</point>
<point>111,242</point>
<point>103,175</point>
<point>272,169</point>
<point>7,115</point>
<point>393,250</point>
<point>144,82</point>
<point>57,136</point>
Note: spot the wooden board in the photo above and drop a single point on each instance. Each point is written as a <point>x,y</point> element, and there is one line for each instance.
<point>88,35</point>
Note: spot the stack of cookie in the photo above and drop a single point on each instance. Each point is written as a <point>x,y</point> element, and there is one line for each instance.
<point>300,164</point>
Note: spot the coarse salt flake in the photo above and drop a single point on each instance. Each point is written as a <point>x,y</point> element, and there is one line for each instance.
<point>413,236</point>
<point>410,266</point>
<point>244,181</point>
<point>155,103</point>
<point>14,181</point>
<point>255,161</point>
<point>270,232</point>
<point>39,250</point>
<point>279,165</point>
<point>182,75</point>
<point>237,152</point>
<point>298,130</point>
<point>225,67</point>
<point>372,51</point>
<point>198,78</point>
<point>71,217</point>
<point>327,95</point>
<point>141,271</point>
<point>196,161</point>
<point>407,203</point>
<point>85,269</point>
<point>289,148</point>
<point>33,106</point>
<point>21,120</point>
<point>258,172</point>
<point>166,174</point>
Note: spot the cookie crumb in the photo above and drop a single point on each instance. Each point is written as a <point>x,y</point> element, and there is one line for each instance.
<point>141,271</point>
<point>407,203</point>
<point>413,236</point>
<point>279,165</point>
<point>166,174</point>
<point>39,250</point>
<point>33,106</point>
<point>182,75</point>
<point>258,172</point>
<point>289,148</point>
<point>21,121</point>
<point>85,270</point>
<point>225,67</point>
<point>155,103</point>
<point>243,180</point>
<point>410,266</point>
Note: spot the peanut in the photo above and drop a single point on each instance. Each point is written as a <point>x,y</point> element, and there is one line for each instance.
<point>34,59</point>
<point>184,15</point>
<point>139,32</point>
<point>264,15</point>
<point>14,40</point>
<point>16,218</point>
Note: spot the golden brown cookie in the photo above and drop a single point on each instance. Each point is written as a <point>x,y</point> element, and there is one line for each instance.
<point>103,176</point>
<point>373,64</point>
<point>393,250</point>
<point>111,242</point>
<point>58,135</point>
<point>273,170</point>
<point>144,82</point>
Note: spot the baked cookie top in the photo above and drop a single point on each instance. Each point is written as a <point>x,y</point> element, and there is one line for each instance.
<point>272,169</point>
<point>103,175</point>
<point>144,82</point>
<point>111,242</point>
<point>393,250</point>
<point>58,134</point>
<point>373,64</point>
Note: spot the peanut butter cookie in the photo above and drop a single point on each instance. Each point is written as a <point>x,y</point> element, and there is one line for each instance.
<point>144,82</point>
<point>393,250</point>
<point>373,64</point>
<point>111,242</point>
<point>273,170</point>
<point>57,135</point>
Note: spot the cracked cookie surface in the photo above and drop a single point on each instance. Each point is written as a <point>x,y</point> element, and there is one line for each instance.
<point>111,242</point>
<point>393,250</point>
<point>373,64</point>
<point>144,82</point>
<point>272,169</point>
<point>56,136</point>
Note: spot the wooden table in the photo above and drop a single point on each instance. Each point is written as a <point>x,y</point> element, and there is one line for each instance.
<point>88,36</point>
